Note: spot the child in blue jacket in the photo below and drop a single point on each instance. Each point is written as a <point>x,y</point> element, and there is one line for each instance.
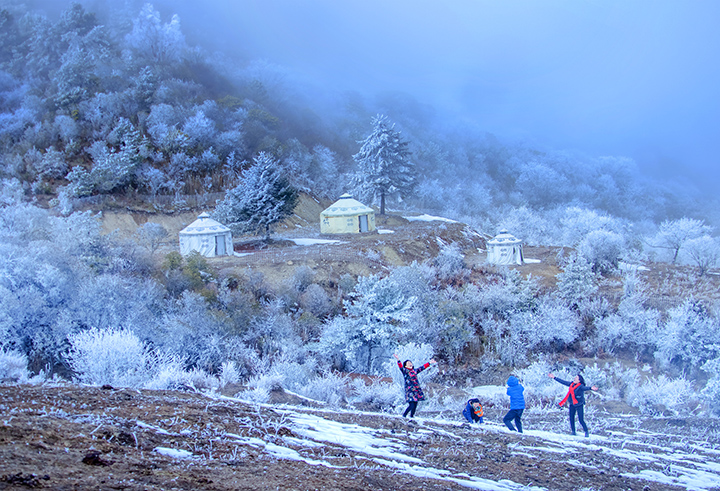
<point>517,404</point>
<point>473,411</point>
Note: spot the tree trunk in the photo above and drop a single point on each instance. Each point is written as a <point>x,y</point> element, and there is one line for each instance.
<point>382,203</point>
<point>369,363</point>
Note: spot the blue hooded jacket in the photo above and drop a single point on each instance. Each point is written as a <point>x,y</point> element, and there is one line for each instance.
<point>515,391</point>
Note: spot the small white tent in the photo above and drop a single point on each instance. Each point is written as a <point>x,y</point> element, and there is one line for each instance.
<point>504,249</point>
<point>206,236</point>
<point>347,216</point>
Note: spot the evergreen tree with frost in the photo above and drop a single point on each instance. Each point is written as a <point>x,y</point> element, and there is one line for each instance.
<point>577,281</point>
<point>377,320</point>
<point>263,198</point>
<point>384,164</point>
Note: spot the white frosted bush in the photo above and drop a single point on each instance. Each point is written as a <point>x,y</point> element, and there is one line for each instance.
<point>229,373</point>
<point>13,366</point>
<point>656,394</point>
<point>602,249</point>
<point>258,395</point>
<point>382,395</point>
<point>115,357</point>
<point>169,375</point>
<point>711,392</point>
<point>330,388</point>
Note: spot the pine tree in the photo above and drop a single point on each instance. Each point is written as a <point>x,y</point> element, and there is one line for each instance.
<point>384,163</point>
<point>263,197</point>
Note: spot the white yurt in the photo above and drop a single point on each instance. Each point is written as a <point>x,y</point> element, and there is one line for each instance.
<point>206,236</point>
<point>347,216</point>
<point>504,248</point>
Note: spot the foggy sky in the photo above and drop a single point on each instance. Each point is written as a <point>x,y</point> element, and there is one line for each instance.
<point>624,77</point>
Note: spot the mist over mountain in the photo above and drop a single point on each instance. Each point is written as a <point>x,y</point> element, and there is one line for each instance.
<point>631,79</point>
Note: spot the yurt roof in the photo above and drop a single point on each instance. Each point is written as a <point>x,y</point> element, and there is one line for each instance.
<point>204,225</point>
<point>346,206</point>
<point>504,238</point>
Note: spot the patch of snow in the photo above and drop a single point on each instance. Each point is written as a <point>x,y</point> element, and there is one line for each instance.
<point>531,261</point>
<point>629,267</point>
<point>307,242</point>
<point>279,451</point>
<point>429,218</point>
<point>355,437</point>
<point>241,254</point>
<point>151,427</point>
<point>385,231</point>
<point>173,452</point>
<point>466,481</point>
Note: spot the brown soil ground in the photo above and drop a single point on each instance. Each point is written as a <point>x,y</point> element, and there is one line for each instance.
<point>69,437</point>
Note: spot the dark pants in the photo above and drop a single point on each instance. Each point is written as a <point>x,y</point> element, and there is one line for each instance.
<point>412,406</point>
<point>513,414</point>
<point>580,410</point>
<point>476,418</point>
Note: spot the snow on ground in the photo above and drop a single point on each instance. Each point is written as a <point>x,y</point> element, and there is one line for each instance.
<point>307,242</point>
<point>531,261</point>
<point>692,467</point>
<point>382,231</point>
<point>631,267</point>
<point>173,452</point>
<point>428,218</point>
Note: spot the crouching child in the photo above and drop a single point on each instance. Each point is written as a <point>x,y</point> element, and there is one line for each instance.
<point>473,411</point>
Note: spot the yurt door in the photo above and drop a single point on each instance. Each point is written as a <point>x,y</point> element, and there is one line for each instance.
<point>220,245</point>
<point>363,223</point>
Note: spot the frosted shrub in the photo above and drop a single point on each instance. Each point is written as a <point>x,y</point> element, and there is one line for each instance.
<point>711,392</point>
<point>169,375</point>
<point>315,300</point>
<point>450,262</point>
<point>602,249</point>
<point>381,395</point>
<point>229,373</point>
<point>294,375</point>
<point>538,386</point>
<point>329,388</point>
<point>115,357</point>
<point>13,366</point>
<point>632,328</point>
<point>201,380</point>
<point>689,337</point>
<point>268,382</point>
<point>662,393</point>
<point>258,395</point>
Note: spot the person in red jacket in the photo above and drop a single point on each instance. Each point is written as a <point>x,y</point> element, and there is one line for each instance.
<point>413,392</point>
<point>576,398</point>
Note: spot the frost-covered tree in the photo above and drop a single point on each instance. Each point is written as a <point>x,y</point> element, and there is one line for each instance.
<point>152,235</point>
<point>690,336</point>
<point>674,234</point>
<point>152,43</point>
<point>377,321</point>
<point>577,282</point>
<point>384,163</point>
<point>263,197</point>
<point>704,252</point>
<point>602,249</point>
